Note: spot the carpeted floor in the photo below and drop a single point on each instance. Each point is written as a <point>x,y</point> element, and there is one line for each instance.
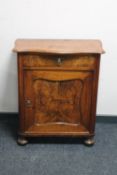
<point>58,156</point>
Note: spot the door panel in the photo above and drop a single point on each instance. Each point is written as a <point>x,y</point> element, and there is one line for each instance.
<point>57,100</point>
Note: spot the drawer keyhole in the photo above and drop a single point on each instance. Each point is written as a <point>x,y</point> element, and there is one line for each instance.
<point>59,61</point>
<point>28,103</point>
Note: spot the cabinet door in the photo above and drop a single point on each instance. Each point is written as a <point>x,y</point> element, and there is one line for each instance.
<point>57,102</point>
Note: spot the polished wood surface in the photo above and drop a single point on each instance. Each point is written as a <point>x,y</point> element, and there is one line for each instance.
<point>56,98</point>
<point>62,61</point>
<point>58,46</point>
<point>57,94</point>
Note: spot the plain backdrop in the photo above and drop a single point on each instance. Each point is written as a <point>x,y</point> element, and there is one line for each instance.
<point>62,19</point>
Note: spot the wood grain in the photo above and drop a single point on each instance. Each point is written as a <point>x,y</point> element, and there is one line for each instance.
<point>43,60</point>
<point>58,46</point>
<point>57,92</point>
<point>57,97</point>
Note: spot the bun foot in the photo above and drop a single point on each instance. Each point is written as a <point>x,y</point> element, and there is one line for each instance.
<point>89,141</point>
<point>22,141</point>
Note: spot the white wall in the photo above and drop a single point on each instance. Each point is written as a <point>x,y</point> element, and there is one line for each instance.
<point>58,19</point>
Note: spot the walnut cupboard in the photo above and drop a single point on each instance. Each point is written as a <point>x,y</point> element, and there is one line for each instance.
<point>58,82</point>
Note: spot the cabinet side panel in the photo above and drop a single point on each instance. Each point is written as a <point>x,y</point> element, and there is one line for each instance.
<point>21,94</point>
<point>94,94</point>
<point>86,100</point>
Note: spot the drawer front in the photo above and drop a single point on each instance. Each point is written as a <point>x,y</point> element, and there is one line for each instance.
<point>68,61</point>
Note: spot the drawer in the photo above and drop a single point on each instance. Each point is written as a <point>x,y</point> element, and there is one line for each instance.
<point>68,61</point>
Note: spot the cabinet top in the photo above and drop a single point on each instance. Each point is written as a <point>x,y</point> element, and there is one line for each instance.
<point>54,46</point>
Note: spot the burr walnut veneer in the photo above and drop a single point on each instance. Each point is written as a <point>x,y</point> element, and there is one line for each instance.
<point>58,82</point>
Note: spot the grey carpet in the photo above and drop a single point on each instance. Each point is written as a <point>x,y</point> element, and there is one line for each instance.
<point>58,156</point>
